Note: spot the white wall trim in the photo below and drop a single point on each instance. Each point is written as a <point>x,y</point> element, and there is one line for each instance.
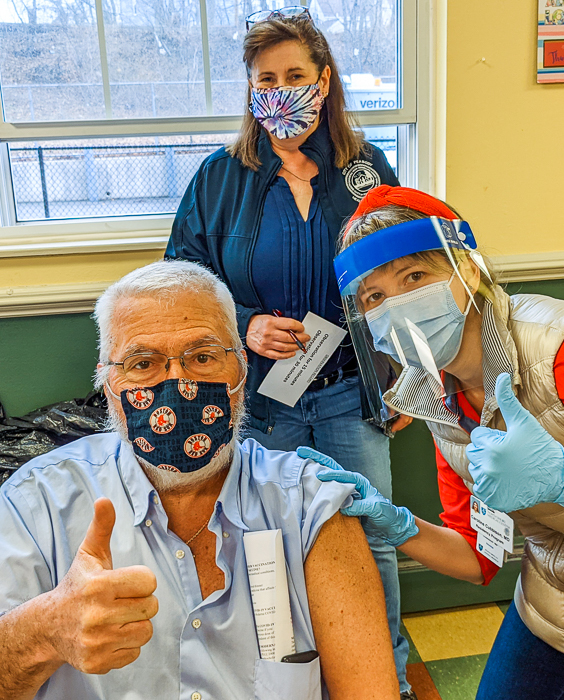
<point>94,236</point>
<point>80,298</point>
<point>50,299</point>
<point>530,267</point>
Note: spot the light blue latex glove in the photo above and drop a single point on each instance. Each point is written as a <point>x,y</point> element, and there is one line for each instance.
<point>521,467</point>
<point>394,525</point>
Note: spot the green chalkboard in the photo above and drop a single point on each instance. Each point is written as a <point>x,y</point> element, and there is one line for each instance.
<point>44,359</point>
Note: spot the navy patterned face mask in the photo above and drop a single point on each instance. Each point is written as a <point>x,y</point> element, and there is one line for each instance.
<point>179,425</point>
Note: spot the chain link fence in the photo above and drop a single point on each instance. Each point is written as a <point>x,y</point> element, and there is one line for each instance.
<point>54,182</point>
<point>74,182</point>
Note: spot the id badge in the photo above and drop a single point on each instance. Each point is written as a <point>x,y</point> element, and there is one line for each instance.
<point>494,528</point>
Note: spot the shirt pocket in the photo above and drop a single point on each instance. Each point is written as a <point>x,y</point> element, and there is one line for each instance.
<point>275,680</point>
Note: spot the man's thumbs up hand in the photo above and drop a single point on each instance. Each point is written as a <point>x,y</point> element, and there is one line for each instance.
<point>101,615</point>
<point>521,467</point>
<point>96,543</point>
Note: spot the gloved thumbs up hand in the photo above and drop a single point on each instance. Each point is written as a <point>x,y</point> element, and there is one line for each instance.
<point>521,467</point>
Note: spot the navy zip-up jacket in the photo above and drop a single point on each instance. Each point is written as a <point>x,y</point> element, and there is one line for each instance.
<point>219,218</point>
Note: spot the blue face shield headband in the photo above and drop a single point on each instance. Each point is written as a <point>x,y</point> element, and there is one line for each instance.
<point>358,260</point>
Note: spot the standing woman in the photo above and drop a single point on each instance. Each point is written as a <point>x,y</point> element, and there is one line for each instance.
<point>265,214</point>
<point>441,342</point>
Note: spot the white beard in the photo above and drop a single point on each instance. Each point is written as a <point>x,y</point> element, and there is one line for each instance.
<point>166,481</point>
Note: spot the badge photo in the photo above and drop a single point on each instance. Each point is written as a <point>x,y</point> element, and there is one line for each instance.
<point>162,420</point>
<point>197,445</point>
<point>188,388</point>
<point>210,414</point>
<point>140,398</point>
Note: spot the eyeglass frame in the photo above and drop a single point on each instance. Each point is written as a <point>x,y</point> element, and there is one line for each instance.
<point>278,13</point>
<point>180,358</point>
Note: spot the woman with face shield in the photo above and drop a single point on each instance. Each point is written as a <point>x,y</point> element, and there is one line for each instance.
<point>437,339</point>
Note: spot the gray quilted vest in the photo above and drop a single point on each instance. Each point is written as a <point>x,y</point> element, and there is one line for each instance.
<point>521,335</point>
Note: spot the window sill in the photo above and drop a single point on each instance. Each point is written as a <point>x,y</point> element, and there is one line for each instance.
<point>85,236</point>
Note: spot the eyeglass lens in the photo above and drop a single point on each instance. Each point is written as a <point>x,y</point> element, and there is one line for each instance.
<point>203,362</point>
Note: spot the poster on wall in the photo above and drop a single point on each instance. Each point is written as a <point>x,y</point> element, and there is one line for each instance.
<point>550,47</point>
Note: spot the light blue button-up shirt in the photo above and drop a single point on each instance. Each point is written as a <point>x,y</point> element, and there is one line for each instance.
<point>200,649</point>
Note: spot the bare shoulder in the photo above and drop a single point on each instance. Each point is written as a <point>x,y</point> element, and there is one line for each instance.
<point>348,613</point>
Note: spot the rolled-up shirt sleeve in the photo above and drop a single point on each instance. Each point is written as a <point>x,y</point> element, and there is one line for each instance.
<point>320,501</point>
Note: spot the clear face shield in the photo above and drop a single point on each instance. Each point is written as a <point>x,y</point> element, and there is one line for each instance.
<point>407,291</point>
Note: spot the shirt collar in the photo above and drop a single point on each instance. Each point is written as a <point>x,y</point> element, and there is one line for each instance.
<point>138,487</point>
<point>229,499</point>
<point>141,491</point>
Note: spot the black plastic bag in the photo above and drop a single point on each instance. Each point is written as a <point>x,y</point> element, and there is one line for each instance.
<point>49,427</point>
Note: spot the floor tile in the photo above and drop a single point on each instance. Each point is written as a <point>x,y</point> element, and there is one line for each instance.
<point>457,679</point>
<point>453,633</point>
<point>413,657</point>
<point>421,682</point>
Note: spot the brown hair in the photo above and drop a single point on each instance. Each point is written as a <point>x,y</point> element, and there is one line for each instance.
<point>347,142</point>
<point>435,260</point>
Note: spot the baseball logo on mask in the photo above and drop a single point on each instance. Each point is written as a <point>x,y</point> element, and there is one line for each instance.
<point>140,398</point>
<point>188,388</point>
<point>197,445</point>
<point>168,468</point>
<point>210,414</point>
<point>162,420</point>
<point>143,444</point>
<point>221,447</point>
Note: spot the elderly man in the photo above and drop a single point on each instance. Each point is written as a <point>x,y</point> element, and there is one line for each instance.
<point>123,570</point>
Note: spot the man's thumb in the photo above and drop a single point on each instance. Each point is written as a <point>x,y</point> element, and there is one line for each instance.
<point>511,410</point>
<point>97,540</point>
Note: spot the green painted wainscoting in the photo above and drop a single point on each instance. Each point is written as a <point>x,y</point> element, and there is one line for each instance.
<point>45,359</point>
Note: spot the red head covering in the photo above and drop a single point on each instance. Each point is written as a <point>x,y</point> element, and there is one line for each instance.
<point>404,197</point>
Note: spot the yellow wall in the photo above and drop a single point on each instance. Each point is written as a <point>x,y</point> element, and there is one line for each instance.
<point>72,269</point>
<point>504,147</point>
<point>504,140</point>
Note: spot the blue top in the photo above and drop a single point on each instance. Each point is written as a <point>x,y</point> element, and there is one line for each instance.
<point>219,218</point>
<point>292,264</point>
<point>45,510</point>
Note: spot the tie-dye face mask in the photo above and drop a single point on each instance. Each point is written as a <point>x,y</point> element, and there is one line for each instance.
<point>286,111</point>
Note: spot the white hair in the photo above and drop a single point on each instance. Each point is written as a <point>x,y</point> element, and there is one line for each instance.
<point>162,280</point>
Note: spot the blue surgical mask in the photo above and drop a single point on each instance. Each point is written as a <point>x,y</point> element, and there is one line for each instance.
<point>433,311</point>
<point>179,424</point>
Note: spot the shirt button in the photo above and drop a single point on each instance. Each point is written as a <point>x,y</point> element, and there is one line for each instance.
<point>155,499</point>
<point>226,535</point>
<point>196,624</point>
<point>196,696</point>
<point>148,523</point>
<point>180,554</point>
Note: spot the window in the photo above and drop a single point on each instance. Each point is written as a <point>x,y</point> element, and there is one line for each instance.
<point>109,106</point>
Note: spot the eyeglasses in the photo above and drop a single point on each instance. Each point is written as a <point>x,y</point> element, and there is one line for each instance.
<point>292,12</point>
<point>149,368</point>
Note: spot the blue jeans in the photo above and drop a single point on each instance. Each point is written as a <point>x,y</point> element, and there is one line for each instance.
<point>521,666</point>
<point>329,420</point>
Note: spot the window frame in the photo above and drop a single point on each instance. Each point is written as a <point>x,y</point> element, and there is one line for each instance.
<point>415,136</point>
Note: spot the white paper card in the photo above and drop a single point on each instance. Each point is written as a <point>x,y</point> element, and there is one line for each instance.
<point>492,523</point>
<point>490,549</point>
<point>266,566</point>
<point>288,379</point>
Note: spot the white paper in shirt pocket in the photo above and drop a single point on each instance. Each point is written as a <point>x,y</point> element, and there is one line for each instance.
<point>275,680</point>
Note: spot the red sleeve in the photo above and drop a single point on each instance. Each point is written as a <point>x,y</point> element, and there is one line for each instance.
<point>559,372</point>
<point>455,499</point>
